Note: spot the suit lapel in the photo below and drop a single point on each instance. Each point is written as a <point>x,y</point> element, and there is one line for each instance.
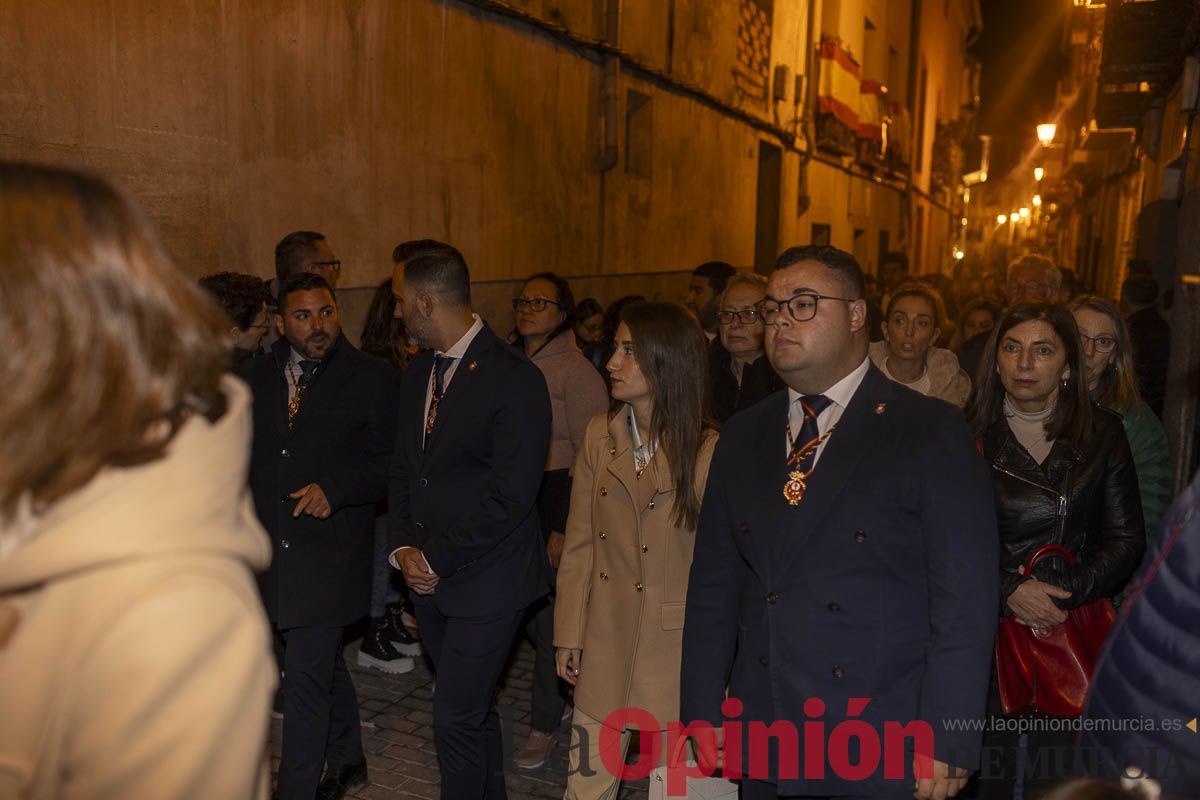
<point>620,457</point>
<point>863,421</point>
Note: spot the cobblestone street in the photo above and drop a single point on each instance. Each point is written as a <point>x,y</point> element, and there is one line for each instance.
<point>397,714</point>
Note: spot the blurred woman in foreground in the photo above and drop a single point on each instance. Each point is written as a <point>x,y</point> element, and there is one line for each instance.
<point>134,654</point>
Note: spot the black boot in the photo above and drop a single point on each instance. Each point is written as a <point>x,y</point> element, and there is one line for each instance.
<point>377,651</point>
<point>339,780</point>
<point>404,642</point>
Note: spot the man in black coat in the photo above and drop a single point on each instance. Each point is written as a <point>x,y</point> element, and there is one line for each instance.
<point>846,562</point>
<point>324,424</point>
<point>473,435</point>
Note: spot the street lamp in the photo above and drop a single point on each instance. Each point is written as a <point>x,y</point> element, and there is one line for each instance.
<point>1037,200</point>
<point>1001,219</point>
<point>1024,212</point>
<point>1045,133</point>
<point>1038,172</point>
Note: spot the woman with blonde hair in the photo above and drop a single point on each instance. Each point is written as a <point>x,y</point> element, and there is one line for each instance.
<point>134,653</point>
<point>908,355</point>
<point>635,503</point>
<point>1108,358</point>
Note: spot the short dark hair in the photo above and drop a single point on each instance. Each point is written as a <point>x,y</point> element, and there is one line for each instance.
<point>302,282</point>
<point>292,252</point>
<point>242,296</point>
<point>847,268</point>
<point>894,257</point>
<point>407,251</point>
<point>1140,289</point>
<point>587,307</point>
<point>717,273</point>
<point>443,272</point>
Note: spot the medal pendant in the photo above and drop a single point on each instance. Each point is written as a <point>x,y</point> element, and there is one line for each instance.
<point>794,489</point>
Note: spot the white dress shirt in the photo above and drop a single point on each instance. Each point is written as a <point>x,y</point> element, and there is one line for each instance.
<point>840,394</point>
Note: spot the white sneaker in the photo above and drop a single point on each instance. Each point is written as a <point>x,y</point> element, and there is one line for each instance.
<point>392,666</point>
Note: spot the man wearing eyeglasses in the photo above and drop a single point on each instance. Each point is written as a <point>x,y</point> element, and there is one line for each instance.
<point>307,251</point>
<point>845,561</point>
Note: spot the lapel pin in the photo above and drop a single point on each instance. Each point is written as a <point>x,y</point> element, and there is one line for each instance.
<point>471,367</point>
<point>879,409</point>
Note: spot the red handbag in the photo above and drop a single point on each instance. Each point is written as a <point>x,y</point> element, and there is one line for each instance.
<point>1047,671</point>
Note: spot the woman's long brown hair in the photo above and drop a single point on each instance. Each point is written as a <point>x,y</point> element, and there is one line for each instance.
<point>673,355</point>
<point>110,348</point>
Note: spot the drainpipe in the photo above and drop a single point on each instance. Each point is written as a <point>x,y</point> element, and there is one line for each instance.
<point>611,94</point>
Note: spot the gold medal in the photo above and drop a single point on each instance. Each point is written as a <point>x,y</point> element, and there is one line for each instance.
<point>793,490</point>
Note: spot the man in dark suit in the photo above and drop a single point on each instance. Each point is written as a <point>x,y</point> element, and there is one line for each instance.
<point>324,425</point>
<point>473,435</point>
<point>847,548</point>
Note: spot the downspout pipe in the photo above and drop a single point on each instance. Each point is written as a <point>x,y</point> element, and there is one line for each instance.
<point>611,94</point>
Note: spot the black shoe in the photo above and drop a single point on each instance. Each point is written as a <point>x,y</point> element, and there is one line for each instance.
<point>399,635</point>
<point>339,780</point>
<point>377,651</point>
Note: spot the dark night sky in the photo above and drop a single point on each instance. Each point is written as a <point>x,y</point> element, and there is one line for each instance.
<point>1022,55</point>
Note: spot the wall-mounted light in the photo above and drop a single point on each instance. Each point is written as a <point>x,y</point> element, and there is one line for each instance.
<point>1024,212</point>
<point>1045,133</point>
<point>1037,200</point>
<point>1038,172</point>
<point>1001,218</point>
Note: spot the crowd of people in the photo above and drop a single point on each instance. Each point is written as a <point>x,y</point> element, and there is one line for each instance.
<point>812,495</point>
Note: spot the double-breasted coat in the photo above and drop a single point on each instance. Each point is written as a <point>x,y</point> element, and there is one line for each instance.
<point>623,578</point>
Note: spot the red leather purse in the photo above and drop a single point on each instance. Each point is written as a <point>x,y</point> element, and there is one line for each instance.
<point>1047,671</point>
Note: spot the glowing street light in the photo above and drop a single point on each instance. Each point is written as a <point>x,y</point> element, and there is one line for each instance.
<point>1045,133</point>
<point>1037,200</point>
<point>1014,216</point>
<point>1038,172</point>
<point>1001,218</point>
<point>1024,212</point>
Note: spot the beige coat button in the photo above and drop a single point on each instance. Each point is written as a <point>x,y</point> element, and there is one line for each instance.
<point>645,549</point>
<point>604,491</point>
<point>637,586</point>
<point>603,576</point>
<point>602,535</point>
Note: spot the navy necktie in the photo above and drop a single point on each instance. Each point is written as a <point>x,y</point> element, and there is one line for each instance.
<point>804,446</point>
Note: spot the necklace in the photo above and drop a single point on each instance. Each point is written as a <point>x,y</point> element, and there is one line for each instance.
<point>797,483</point>
<point>294,404</point>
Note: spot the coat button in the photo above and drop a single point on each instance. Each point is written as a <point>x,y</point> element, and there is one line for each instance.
<point>285,453</point>
<point>860,537</point>
<point>420,525</point>
<point>603,576</point>
<point>604,491</point>
<point>637,587</point>
<point>651,506</point>
<point>612,451</point>
<point>772,598</point>
<point>602,535</point>
<point>284,544</point>
<point>743,528</point>
<point>834,607</point>
<point>284,499</point>
<point>424,482</point>
<point>762,660</point>
<point>645,548</point>
<point>838,672</point>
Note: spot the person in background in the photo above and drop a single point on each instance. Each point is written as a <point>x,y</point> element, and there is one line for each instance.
<point>704,289</point>
<point>245,299</point>
<point>388,645</point>
<point>1062,473</point>
<point>739,374</point>
<point>589,331</point>
<point>893,271</point>
<point>1108,359</point>
<point>907,354</point>
<point>1149,338</point>
<point>1069,287</point>
<point>134,653</point>
<point>978,316</point>
<point>545,311</point>
<point>306,251</point>
<point>635,502</point>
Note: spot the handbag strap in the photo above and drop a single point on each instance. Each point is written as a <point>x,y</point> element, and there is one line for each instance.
<point>1049,551</point>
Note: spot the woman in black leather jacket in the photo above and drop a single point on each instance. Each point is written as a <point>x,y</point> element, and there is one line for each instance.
<point>1062,473</point>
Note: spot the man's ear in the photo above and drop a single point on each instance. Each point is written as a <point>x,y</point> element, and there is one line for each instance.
<point>858,315</point>
<point>278,319</point>
<point>426,303</point>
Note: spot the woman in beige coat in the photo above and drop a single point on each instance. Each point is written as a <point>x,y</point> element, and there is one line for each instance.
<point>134,653</point>
<point>635,501</point>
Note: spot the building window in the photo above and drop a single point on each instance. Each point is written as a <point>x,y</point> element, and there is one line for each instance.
<point>821,233</point>
<point>639,134</point>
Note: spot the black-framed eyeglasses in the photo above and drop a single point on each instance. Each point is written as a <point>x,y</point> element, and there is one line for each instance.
<point>533,303</point>
<point>802,307</point>
<point>1103,344</point>
<point>334,265</point>
<point>746,316</point>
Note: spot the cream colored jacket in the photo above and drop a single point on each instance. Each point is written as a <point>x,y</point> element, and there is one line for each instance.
<point>134,654</point>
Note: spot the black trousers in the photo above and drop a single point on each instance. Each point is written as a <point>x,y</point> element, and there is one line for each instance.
<point>762,790</point>
<point>468,653</point>
<point>320,711</point>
